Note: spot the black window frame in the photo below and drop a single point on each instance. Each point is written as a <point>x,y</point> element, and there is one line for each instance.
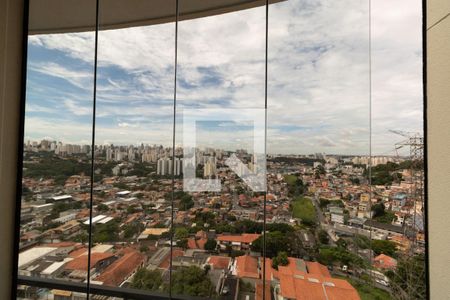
<point>127,293</point>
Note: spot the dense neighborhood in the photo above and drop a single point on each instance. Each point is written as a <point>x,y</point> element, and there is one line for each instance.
<point>326,228</point>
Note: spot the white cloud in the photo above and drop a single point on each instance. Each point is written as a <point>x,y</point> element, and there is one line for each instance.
<point>79,78</point>
<point>127,125</point>
<point>318,72</point>
<point>77,109</point>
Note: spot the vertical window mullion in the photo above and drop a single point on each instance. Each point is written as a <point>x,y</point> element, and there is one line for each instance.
<point>265,143</point>
<point>173,146</point>
<point>94,103</point>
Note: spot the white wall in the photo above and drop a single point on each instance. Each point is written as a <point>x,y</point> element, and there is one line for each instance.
<point>438,47</point>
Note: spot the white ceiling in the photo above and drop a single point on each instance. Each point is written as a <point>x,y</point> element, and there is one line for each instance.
<point>58,16</point>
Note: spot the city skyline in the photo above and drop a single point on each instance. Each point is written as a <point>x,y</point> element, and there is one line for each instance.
<point>86,149</point>
<point>318,83</point>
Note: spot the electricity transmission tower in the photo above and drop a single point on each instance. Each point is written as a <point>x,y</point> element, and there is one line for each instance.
<point>414,141</point>
<point>409,283</point>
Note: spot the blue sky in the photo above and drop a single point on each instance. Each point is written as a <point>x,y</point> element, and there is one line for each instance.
<point>318,80</point>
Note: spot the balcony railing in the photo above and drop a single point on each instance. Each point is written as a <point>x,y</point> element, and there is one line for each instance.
<point>94,289</point>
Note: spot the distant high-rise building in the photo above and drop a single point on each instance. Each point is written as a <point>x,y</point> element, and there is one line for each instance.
<point>162,166</point>
<point>131,154</point>
<point>209,168</point>
<point>178,166</point>
<point>116,170</point>
<point>45,145</point>
<point>118,155</point>
<point>109,154</point>
<point>85,149</point>
<point>165,166</point>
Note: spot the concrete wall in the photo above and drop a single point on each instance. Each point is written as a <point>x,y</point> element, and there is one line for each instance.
<point>11,12</point>
<point>438,115</point>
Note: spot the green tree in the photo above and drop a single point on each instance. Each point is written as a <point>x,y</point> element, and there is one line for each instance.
<point>131,209</point>
<point>147,280</point>
<point>102,207</point>
<point>355,180</point>
<point>342,243</point>
<point>303,209</point>
<point>387,217</point>
<point>295,185</point>
<point>275,242</point>
<point>280,260</point>
<point>323,237</point>
<point>408,281</point>
<point>186,202</point>
<point>231,218</point>
<point>329,255</point>
<point>181,233</point>
<point>106,232</point>
<point>82,238</point>
<point>281,227</point>
<point>191,281</point>
<point>319,170</point>
<point>248,226</point>
<point>183,243</point>
<point>362,241</point>
<point>210,245</point>
<point>131,230</point>
<point>382,246</point>
<point>378,210</point>
<point>59,169</point>
<point>323,203</point>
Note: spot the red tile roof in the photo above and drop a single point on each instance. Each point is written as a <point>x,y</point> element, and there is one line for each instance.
<point>192,244</point>
<point>314,268</point>
<point>81,262</point>
<point>166,262</point>
<point>122,268</point>
<point>61,244</point>
<point>78,252</point>
<point>201,243</point>
<point>342,289</point>
<point>247,266</point>
<point>243,238</point>
<point>383,261</point>
<point>317,283</point>
<point>219,262</point>
<point>196,244</point>
<point>259,291</point>
<point>271,273</point>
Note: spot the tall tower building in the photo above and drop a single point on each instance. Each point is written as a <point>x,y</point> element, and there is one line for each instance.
<point>109,154</point>
<point>209,167</point>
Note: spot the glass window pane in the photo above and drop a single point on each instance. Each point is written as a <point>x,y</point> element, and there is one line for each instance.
<point>134,121</point>
<point>220,136</point>
<point>318,126</point>
<point>184,188</point>
<point>57,161</point>
<point>397,146</point>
